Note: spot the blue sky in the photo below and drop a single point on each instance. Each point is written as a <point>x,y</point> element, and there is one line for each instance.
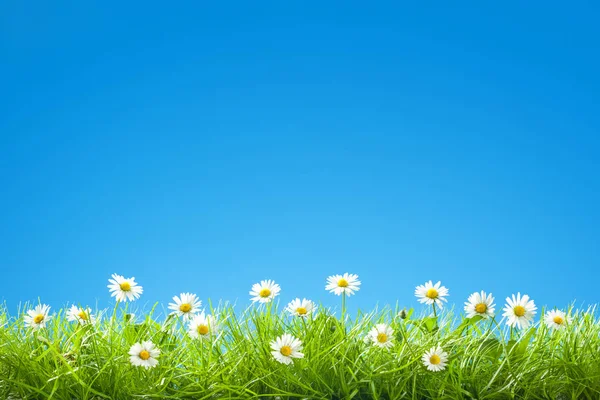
<point>202,148</point>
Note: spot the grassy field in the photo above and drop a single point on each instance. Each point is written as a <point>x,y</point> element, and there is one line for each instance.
<point>234,355</point>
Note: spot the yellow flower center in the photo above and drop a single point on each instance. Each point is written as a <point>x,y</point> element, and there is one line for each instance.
<point>481,308</point>
<point>432,293</point>
<point>82,315</point>
<point>144,355</point>
<point>382,338</point>
<point>38,318</point>
<point>435,359</point>
<point>125,286</point>
<point>285,350</point>
<point>265,292</point>
<point>558,320</point>
<point>185,307</point>
<point>202,329</point>
<point>519,311</point>
<point>301,310</point>
<point>343,283</point>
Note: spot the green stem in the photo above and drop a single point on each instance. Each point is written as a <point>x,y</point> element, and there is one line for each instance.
<point>113,319</point>
<point>343,308</point>
<point>406,342</point>
<point>269,308</point>
<point>304,326</point>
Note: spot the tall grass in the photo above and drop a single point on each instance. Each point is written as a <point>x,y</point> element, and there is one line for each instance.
<point>66,360</point>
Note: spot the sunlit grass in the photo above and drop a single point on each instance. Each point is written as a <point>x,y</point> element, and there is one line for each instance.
<point>66,360</point>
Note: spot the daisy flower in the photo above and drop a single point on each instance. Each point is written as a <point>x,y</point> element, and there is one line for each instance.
<point>556,319</point>
<point>301,308</point>
<point>203,327</point>
<point>37,318</point>
<point>186,305</point>
<point>347,284</point>
<point>435,359</point>
<point>124,289</point>
<point>144,354</point>
<point>519,311</point>
<point>431,294</point>
<point>82,315</point>
<point>381,335</point>
<point>286,347</point>
<point>481,304</point>
<point>265,291</point>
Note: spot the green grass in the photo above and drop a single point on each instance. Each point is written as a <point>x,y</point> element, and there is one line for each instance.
<point>69,361</point>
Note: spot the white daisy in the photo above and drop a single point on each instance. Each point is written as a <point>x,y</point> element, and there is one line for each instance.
<point>265,291</point>
<point>519,311</point>
<point>144,354</point>
<point>556,319</point>
<point>431,294</point>
<point>481,304</point>
<point>285,348</point>
<point>435,359</point>
<point>186,305</point>
<point>124,289</point>
<point>203,327</point>
<point>37,318</point>
<point>347,283</point>
<point>381,335</point>
<point>301,308</point>
<point>82,315</point>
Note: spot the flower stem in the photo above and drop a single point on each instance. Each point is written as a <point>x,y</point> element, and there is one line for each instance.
<point>344,309</point>
<point>114,317</point>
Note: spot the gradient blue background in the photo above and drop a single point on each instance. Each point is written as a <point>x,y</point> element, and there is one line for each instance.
<point>202,148</point>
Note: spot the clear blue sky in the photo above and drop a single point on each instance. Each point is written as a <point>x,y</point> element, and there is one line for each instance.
<point>202,148</point>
